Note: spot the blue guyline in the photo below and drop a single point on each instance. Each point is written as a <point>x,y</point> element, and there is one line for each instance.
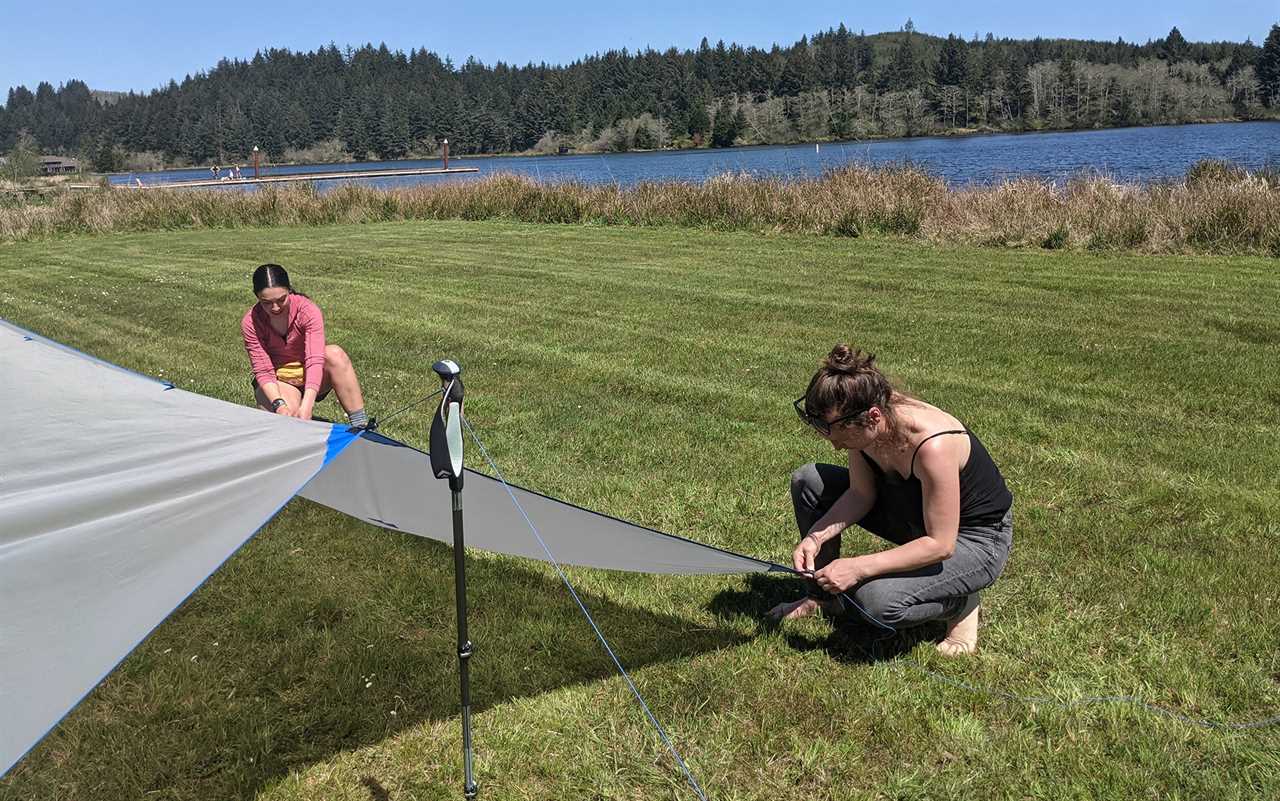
<point>599,635</point>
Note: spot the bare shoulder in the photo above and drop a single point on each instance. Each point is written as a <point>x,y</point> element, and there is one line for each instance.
<point>936,452</point>
<point>941,455</point>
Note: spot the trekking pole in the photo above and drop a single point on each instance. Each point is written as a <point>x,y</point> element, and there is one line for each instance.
<point>446,462</point>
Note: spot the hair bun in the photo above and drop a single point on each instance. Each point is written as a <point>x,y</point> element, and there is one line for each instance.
<point>846,360</point>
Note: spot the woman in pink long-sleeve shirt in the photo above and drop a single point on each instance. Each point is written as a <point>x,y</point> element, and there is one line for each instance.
<point>293,366</point>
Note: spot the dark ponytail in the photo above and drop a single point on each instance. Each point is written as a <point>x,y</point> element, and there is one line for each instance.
<point>270,275</point>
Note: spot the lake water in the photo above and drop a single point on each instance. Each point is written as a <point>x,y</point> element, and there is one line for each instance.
<point>1125,154</point>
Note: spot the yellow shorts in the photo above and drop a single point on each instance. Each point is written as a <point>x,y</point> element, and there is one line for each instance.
<point>291,373</point>
<point>294,375</point>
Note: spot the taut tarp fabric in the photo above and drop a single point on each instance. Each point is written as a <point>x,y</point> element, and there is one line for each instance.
<point>390,484</point>
<point>118,497</point>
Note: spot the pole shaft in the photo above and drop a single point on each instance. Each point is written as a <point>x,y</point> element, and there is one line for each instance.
<point>464,643</point>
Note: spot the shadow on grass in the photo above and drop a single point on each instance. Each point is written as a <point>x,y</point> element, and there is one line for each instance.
<point>852,638</point>
<point>316,641</point>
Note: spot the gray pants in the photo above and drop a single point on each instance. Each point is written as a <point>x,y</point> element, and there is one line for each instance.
<point>948,589</point>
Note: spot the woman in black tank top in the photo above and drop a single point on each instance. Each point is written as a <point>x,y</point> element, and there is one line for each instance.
<point>916,478</point>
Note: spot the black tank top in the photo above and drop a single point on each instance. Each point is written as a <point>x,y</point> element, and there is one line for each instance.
<point>984,497</point>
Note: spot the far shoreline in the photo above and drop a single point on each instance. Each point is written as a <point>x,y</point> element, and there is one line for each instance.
<point>951,133</point>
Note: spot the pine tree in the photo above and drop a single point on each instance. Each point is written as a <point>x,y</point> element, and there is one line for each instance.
<point>800,73</point>
<point>1068,80</point>
<point>420,122</point>
<point>238,135</point>
<point>392,141</point>
<point>105,156</point>
<point>953,63</point>
<point>529,122</point>
<point>297,126</point>
<point>726,126</point>
<point>699,120</point>
<point>1268,68</point>
<point>905,70</point>
<point>1020,86</point>
<point>351,130</point>
<point>1173,48</point>
<point>863,56</point>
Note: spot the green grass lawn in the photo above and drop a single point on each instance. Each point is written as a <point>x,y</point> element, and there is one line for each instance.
<point>648,373</point>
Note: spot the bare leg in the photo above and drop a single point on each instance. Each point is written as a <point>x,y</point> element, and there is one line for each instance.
<point>289,392</point>
<point>341,375</point>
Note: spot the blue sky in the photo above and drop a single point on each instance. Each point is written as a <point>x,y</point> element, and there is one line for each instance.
<point>140,45</point>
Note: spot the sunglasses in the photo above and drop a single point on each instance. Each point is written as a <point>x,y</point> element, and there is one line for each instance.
<point>821,424</point>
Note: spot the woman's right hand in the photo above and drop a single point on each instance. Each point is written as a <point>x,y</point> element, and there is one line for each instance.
<point>285,410</point>
<point>805,554</point>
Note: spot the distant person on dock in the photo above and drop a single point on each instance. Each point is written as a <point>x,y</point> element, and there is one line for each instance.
<point>293,366</point>
<point>235,172</point>
<point>916,477</point>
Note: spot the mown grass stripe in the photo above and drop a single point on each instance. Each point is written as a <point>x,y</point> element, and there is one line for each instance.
<point>648,373</point>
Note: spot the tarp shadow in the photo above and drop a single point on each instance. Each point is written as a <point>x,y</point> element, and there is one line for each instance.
<point>262,674</point>
<point>852,639</point>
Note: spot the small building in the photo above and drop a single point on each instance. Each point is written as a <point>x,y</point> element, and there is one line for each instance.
<point>57,165</point>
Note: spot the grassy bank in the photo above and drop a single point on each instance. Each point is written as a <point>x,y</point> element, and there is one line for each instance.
<point>1216,209</point>
<point>648,373</point>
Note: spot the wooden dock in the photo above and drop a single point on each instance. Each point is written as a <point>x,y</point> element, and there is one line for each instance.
<point>298,176</point>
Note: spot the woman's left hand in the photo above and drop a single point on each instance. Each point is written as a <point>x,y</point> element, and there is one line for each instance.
<point>304,411</point>
<point>840,574</point>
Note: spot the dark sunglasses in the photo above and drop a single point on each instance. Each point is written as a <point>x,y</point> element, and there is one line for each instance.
<point>820,424</point>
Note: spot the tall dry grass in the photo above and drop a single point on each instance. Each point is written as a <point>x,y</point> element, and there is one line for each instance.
<point>1217,208</point>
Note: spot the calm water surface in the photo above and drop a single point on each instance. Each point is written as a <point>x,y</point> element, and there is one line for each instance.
<point>1125,154</point>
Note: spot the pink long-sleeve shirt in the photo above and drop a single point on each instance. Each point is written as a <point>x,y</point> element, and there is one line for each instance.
<point>303,342</point>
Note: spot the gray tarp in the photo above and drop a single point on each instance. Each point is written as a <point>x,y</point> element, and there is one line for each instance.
<point>119,495</point>
<point>389,484</point>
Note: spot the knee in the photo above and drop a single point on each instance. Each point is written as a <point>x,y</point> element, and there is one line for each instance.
<point>881,602</point>
<point>335,357</point>
<point>806,480</point>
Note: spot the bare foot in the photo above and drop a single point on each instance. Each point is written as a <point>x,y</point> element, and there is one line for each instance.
<point>962,636</point>
<point>794,610</point>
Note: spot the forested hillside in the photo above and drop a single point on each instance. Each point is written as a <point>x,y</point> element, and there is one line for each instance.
<point>372,102</point>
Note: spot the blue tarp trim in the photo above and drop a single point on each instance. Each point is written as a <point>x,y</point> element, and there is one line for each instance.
<point>340,436</point>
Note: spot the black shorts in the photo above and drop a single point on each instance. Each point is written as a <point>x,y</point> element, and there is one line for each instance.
<point>253,382</point>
